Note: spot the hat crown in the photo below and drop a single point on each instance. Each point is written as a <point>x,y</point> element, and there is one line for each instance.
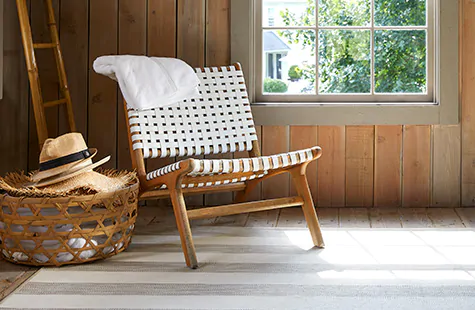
<point>61,146</point>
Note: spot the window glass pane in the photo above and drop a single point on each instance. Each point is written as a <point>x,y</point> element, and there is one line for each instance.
<point>290,61</point>
<point>281,13</point>
<point>344,61</point>
<point>400,12</point>
<point>344,12</point>
<point>400,61</point>
<point>270,65</point>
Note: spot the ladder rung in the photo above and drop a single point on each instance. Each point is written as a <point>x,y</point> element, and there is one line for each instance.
<point>54,103</point>
<point>44,45</point>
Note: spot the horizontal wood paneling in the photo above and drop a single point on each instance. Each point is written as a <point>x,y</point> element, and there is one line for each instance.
<point>384,166</point>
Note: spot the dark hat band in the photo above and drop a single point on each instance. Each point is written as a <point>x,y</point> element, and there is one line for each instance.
<point>64,160</point>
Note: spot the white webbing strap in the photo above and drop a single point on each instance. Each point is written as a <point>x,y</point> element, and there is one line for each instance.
<point>219,121</point>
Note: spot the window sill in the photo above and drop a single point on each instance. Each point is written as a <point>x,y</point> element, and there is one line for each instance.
<point>269,114</point>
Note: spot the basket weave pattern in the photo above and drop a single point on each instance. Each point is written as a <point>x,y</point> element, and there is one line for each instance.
<point>67,230</point>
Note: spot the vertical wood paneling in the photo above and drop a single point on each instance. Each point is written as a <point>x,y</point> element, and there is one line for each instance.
<point>416,166</point>
<point>191,32</point>
<point>14,105</point>
<point>387,166</point>
<point>217,54</point>
<point>331,166</point>
<point>218,45</point>
<point>256,194</point>
<point>102,125</point>
<point>191,48</point>
<point>161,40</point>
<point>275,140</point>
<point>132,41</point>
<point>468,103</point>
<point>48,73</point>
<point>74,37</point>
<point>302,137</point>
<point>359,166</point>
<point>46,62</point>
<point>197,31</point>
<point>446,166</point>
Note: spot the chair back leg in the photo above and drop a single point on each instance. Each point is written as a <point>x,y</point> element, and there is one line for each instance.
<point>301,184</point>
<point>183,225</point>
<point>242,196</point>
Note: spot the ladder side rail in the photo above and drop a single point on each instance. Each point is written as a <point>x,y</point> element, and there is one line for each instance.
<point>33,75</point>
<point>60,63</point>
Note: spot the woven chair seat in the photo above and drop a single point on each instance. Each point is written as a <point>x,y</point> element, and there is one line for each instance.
<point>234,168</point>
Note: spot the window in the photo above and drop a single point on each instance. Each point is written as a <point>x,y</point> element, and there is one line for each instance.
<point>376,61</point>
<point>362,50</point>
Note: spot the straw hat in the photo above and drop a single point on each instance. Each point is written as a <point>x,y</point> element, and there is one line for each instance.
<point>86,183</point>
<point>63,158</point>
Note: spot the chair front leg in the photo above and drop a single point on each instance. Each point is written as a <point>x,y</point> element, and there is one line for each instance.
<point>183,224</point>
<point>301,184</point>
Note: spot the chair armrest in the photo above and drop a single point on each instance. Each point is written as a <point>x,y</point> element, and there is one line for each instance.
<point>170,174</point>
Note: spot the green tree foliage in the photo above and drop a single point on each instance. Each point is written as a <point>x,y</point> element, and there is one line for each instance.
<point>295,73</point>
<point>274,86</point>
<point>344,55</point>
<point>400,12</point>
<point>400,61</point>
<point>343,12</point>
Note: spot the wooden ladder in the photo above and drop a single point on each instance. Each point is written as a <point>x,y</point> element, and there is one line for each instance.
<point>29,47</point>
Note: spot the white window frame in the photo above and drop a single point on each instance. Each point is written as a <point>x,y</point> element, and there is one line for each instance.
<point>444,108</point>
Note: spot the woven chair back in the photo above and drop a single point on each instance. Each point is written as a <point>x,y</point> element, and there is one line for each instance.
<point>219,121</point>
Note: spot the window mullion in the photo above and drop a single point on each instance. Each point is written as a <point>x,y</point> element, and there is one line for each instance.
<point>372,50</point>
<point>316,49</point>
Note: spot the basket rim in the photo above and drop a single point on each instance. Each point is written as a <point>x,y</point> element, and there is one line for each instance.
<point>43,200</point>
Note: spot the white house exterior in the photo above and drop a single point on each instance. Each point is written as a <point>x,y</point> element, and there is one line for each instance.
<point>279,55</point>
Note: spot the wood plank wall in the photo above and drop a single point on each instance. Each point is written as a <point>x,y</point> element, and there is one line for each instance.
<point>384,166</point>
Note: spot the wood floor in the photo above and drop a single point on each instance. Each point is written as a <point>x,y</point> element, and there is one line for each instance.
<point>153,218</point>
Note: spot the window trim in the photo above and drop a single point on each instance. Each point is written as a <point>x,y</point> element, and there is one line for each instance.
<point>445,109</point>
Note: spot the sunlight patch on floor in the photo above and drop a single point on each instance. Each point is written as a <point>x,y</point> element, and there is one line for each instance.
<point>427,255</point>
<point>434,275</point>
<point>357,274</point>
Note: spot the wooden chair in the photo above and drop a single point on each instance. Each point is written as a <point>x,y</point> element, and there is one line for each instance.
<point>218,122</point>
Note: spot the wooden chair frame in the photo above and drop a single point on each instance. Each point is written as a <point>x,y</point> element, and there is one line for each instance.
<point>174,180</point>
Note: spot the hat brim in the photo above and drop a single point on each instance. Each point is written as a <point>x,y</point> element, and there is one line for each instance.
<point>67,175</point>
<point>46,174</point>
<point>90,181</point>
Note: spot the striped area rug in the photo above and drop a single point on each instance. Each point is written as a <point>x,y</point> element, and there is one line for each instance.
<point>248,268</point>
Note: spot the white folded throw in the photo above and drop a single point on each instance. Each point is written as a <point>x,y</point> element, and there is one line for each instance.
<point>150,82</point>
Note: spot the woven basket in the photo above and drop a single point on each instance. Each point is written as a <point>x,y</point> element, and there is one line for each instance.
<point>67,230</point>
